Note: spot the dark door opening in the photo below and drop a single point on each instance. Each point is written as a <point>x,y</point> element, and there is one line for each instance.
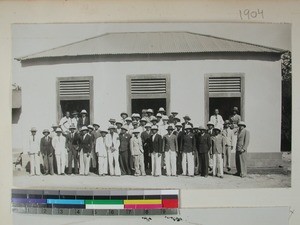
<point>225,106</point>
<point>74,105</point>
<point>137,105</point>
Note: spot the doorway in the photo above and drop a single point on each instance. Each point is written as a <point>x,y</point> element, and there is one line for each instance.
<point>137,105</point>
<point>74,105</point>
<point>225,106</point>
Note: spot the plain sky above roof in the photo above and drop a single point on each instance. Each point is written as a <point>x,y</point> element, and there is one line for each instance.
<point>32,38</point>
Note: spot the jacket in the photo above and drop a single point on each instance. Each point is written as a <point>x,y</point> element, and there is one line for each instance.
<point>243,139</point>
<point>218,145</point>
<point>33,145</point>
<point>136,146</point>
<point>82,123</point>
<point>170,143</point>
<point>188,143</point>
<point>86,143</point>
<point>156,144</point>
<point>101,147</point>
<point>112,141</point>
<point>203,143</point>
<point>46,146</point>
<point>73,143</point>
<point>124,142</point>
<point>228,134</point>
<point>59,145</point>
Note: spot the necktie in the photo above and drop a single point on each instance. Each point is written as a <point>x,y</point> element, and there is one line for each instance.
<point>72,135</point>
<point>112,140</point>
<point>33,138</point>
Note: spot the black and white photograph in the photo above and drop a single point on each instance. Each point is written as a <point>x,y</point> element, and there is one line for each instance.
<point>151,105</point>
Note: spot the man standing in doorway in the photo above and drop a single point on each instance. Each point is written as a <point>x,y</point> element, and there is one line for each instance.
<point>243,139</point>
<point>217,119</point>
<point>65,123</point>
<point>75,119</point>
<point>34,152</point>
<point>83,120</point>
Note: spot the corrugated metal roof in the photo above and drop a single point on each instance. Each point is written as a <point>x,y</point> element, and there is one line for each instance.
<point>150,43</point>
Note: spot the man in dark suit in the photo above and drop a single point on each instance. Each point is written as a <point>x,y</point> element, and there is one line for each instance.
<point>203,144</point>
<point>156,151</point>
<point>188,150</point>
<point>124,151</point>
<point>146,140</point>
<point>187,120</point>
<point>83,120</point>
<point>73,144</point>
<point>47,152</point>
<point>179,133</point>
<point>86,148</point>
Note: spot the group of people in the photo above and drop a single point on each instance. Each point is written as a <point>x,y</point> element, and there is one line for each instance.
<point>140,145</point>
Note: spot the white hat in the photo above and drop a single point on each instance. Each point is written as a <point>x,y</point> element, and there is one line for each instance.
<point>90,127</point>
<point>96,124</point>
<point>149,111</point>
<point>128,119</point>
<point>135,131</point>
<point>83,111</point>
<point>137,115</point>
<point>154,127</point>
<point>158,115</point>
<point>111,127</point>
<point>143,119</point>
<point>148,125</point>
<point>242,123</point>
<point>188,127</point>
<point>82,128</point>
<point>124,128</point>
<point>33,129</point>
<point>161,109</point>
<point>178,124</point>
<point>58,130</point>
<point>119,122</point>
<point>164,117</point>
<point>153,118</point>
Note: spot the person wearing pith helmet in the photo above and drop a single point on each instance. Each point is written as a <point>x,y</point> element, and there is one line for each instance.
<point>112,142</point>
<point>83,120</point>
<point>188,151</point>
<point>34,152</point>
<point>73,145</point>
<point>229,137</point>
<point>137,152</point>
<point>119,125</point>
<point>146,140</point>
<point>150,114</point>
<point>187,121</point>
<point>162,110</point>
<point>156,151</point>
<point>217,152</point>
<point>93,153</point>
<point>159,120</point>
<point>203,144</point>
<point>59,145</point>
<point>123,115</point>
<point>124,151</point>
<point>170,149</point>
<point>210,127</point>
<point>143,123</point>
<point>243,139</point>
<point>101,152</point>
<point>47,152</point>
<point>235,118</point>
<point>154,121</point>
<point>128,124</point>
<point>179,133</point>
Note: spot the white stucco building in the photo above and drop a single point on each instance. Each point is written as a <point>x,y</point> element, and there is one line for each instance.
<point>181,71</point>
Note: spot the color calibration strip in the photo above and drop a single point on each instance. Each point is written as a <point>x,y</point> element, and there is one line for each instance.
<point>95,202</point>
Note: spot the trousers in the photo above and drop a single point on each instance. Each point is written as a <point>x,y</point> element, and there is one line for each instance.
<point>227,157</point>
<point>203,164</point>
<point>124,162</point>
<point>170,160</point>
<point>241,163</point>
<point>81,163</point>
<point>113,161</point>
<point>61,163</point>
<point>73,157</point>
<point>217,164</point>
<point>86,163</point>
<point>139,164</point>
<point>156,164</point>
<point>102,162</point>
<point>34,164</point>
<point>48,164</point>
<point>188,163</point>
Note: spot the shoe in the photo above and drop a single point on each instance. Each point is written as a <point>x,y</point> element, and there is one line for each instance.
<point>221,177</point>
<point>228,169</point>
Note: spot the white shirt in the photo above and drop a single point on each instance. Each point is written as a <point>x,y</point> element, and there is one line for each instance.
<point>33,145</point>
<point>101,147</point>
<point>65,123</point>
<point>153,137</point>
<point>59,145</point>
<point>217,120</point>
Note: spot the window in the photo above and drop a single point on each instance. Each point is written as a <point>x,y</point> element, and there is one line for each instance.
<point>74,94</point>
<point>148,91</point>
<point>224,91</point>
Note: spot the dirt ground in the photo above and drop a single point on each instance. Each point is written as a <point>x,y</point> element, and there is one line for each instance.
<point>257,178</point>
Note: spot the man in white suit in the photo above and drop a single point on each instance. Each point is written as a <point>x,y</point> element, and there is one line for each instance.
<point>34,152</point>
<point>112,143</point>
<point>101,152</point>
<point>59,145</point>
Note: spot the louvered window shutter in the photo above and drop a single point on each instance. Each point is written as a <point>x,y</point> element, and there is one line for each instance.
<point>225,85</point>
<point>148,86</point>
<point>74,88</point>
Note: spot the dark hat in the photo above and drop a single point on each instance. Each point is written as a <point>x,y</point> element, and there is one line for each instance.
<point>46,131</point>
<point>123,113</point>
<point>186,117</point>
